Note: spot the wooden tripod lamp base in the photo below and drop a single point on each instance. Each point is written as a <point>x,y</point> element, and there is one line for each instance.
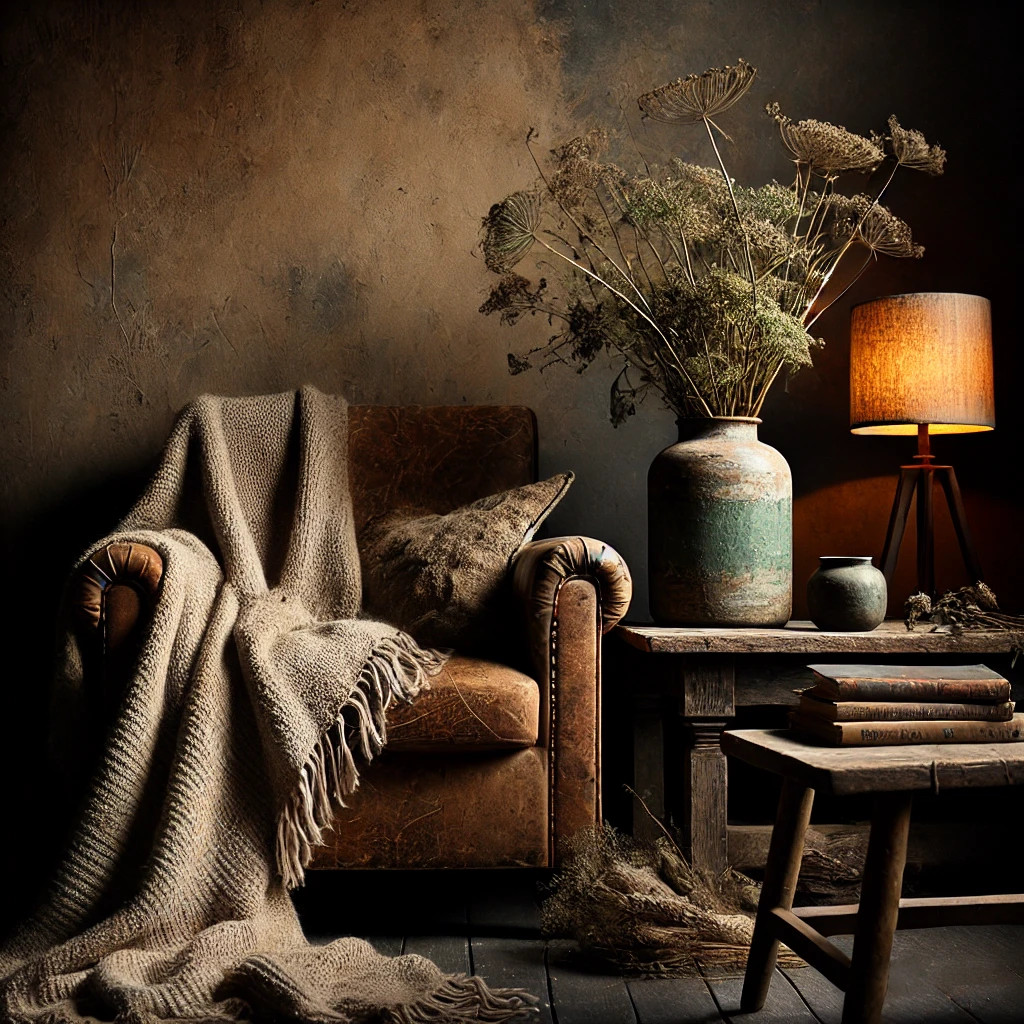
<point>920,479</point>
<point>921,364</point>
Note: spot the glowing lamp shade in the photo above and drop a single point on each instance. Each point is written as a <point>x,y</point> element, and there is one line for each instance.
<point>921,358</point>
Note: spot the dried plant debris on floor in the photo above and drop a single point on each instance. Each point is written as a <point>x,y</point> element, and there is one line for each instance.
<point>641,908</point>
<point>831,867</point>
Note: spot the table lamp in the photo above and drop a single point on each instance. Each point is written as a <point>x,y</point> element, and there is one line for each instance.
<point>921,364</point>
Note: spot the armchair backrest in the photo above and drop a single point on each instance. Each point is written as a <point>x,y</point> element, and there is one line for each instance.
<point>437,457</point>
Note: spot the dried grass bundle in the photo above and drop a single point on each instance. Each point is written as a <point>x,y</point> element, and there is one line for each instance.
<point>642,908</point>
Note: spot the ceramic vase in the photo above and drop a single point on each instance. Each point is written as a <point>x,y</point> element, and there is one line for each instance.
<point>846,594</point>
<point>720,520</point>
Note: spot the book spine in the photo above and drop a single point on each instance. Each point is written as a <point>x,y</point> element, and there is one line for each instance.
<point>956,691</point>
<point>892,711</point>
<point>882,734</point>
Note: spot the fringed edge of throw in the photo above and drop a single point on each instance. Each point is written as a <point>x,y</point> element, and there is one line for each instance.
<point>396,669</point>
<point>462,998</point>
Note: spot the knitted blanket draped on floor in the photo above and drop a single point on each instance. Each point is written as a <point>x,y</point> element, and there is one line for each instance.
<point>232,739</point>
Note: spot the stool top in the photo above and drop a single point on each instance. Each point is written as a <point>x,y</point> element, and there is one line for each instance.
<point>847,770</point>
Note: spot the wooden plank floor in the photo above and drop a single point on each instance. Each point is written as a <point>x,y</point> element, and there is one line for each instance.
<point>488,923</point>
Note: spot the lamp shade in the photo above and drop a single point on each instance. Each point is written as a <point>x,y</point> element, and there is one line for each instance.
<point>924,357</point>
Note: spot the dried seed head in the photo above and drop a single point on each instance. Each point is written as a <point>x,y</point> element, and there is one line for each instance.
<point>510,229</point>
<point>911,149</point>
<point>578,172</point>
<point>696,97</point>
<point>828,149</point>
<point>881,230</point>
<point>513,296</point>
<point>584,147</point>
<point>689,199</point>
<point>916,607</point>
<point>518,365</point>
<point>985,597</point>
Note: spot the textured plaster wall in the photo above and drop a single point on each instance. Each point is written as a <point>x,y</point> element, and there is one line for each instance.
<point>242,197</point>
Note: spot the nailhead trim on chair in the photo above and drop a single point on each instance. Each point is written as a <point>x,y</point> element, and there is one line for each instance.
<point>553,703</point>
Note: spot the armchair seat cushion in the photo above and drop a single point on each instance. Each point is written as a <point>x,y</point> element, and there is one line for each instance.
<point>472,706</point>
<point>490,811</point>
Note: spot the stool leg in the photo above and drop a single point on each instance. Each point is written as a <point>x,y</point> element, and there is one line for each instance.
<point>780,875</point>
<point>879,909</point>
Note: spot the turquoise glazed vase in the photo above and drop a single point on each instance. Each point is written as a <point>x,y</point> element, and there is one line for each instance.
<point>720,521</point>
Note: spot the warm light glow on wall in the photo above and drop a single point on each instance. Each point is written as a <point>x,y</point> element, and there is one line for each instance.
<point>924,357</point>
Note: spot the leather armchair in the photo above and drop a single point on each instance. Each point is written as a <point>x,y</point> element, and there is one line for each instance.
<point>496,763</point>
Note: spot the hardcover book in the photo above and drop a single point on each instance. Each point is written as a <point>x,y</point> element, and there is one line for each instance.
<point>813,705</point>
<point>953,684</point>
<point>887,734</point>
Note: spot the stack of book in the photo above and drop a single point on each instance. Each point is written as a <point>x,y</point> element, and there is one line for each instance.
<point>887,705</point>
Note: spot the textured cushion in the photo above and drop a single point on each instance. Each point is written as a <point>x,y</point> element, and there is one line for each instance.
<point>471,705</point>
<point>444,578</point>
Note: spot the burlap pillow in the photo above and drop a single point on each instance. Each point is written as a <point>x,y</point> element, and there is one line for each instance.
<point>444,578</point>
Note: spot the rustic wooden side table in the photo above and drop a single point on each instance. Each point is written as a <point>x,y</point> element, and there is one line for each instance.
<point>891,775</point>
<point>701,674</point>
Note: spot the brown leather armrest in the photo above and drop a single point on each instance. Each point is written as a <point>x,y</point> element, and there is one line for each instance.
<point>113,588</point>
<point>570,591</point>
<point>110,594</point>
<point>541,567</point>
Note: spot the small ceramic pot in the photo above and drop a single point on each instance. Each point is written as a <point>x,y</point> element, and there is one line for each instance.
<point>846,594</point>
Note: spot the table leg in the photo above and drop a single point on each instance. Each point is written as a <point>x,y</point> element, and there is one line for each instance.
<point>879,909</point>
<point>780,875</point>
<point>706,781</point>
<point>706,704</point>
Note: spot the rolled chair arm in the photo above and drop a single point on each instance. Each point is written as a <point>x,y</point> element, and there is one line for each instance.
<point>110,596</point>
<point>113,588</point>
<point>570,591</point>
<point>542,567</point>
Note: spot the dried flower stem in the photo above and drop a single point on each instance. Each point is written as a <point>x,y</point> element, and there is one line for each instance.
<point>844,249</point>
<point>739,220</point>
<point>584,235</point>
<point>579,266</point>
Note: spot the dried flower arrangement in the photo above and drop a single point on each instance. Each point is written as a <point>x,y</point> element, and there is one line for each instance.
<point>697,287</point>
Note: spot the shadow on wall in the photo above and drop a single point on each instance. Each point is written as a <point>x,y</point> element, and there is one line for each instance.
<point>823,524</point>
<point>36,808</point>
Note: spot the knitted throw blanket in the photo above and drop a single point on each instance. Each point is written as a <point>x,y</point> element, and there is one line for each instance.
<point>256,690</point>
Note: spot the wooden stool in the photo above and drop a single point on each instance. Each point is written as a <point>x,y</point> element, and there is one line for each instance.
<point>892,774</point>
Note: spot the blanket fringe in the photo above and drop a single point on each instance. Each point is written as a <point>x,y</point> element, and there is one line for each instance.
<point>397,669</point>
<point>463,998</point>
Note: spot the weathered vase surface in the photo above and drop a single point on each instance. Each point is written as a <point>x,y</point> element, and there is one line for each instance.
<point>846,594</point>
<point>720,519</point>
